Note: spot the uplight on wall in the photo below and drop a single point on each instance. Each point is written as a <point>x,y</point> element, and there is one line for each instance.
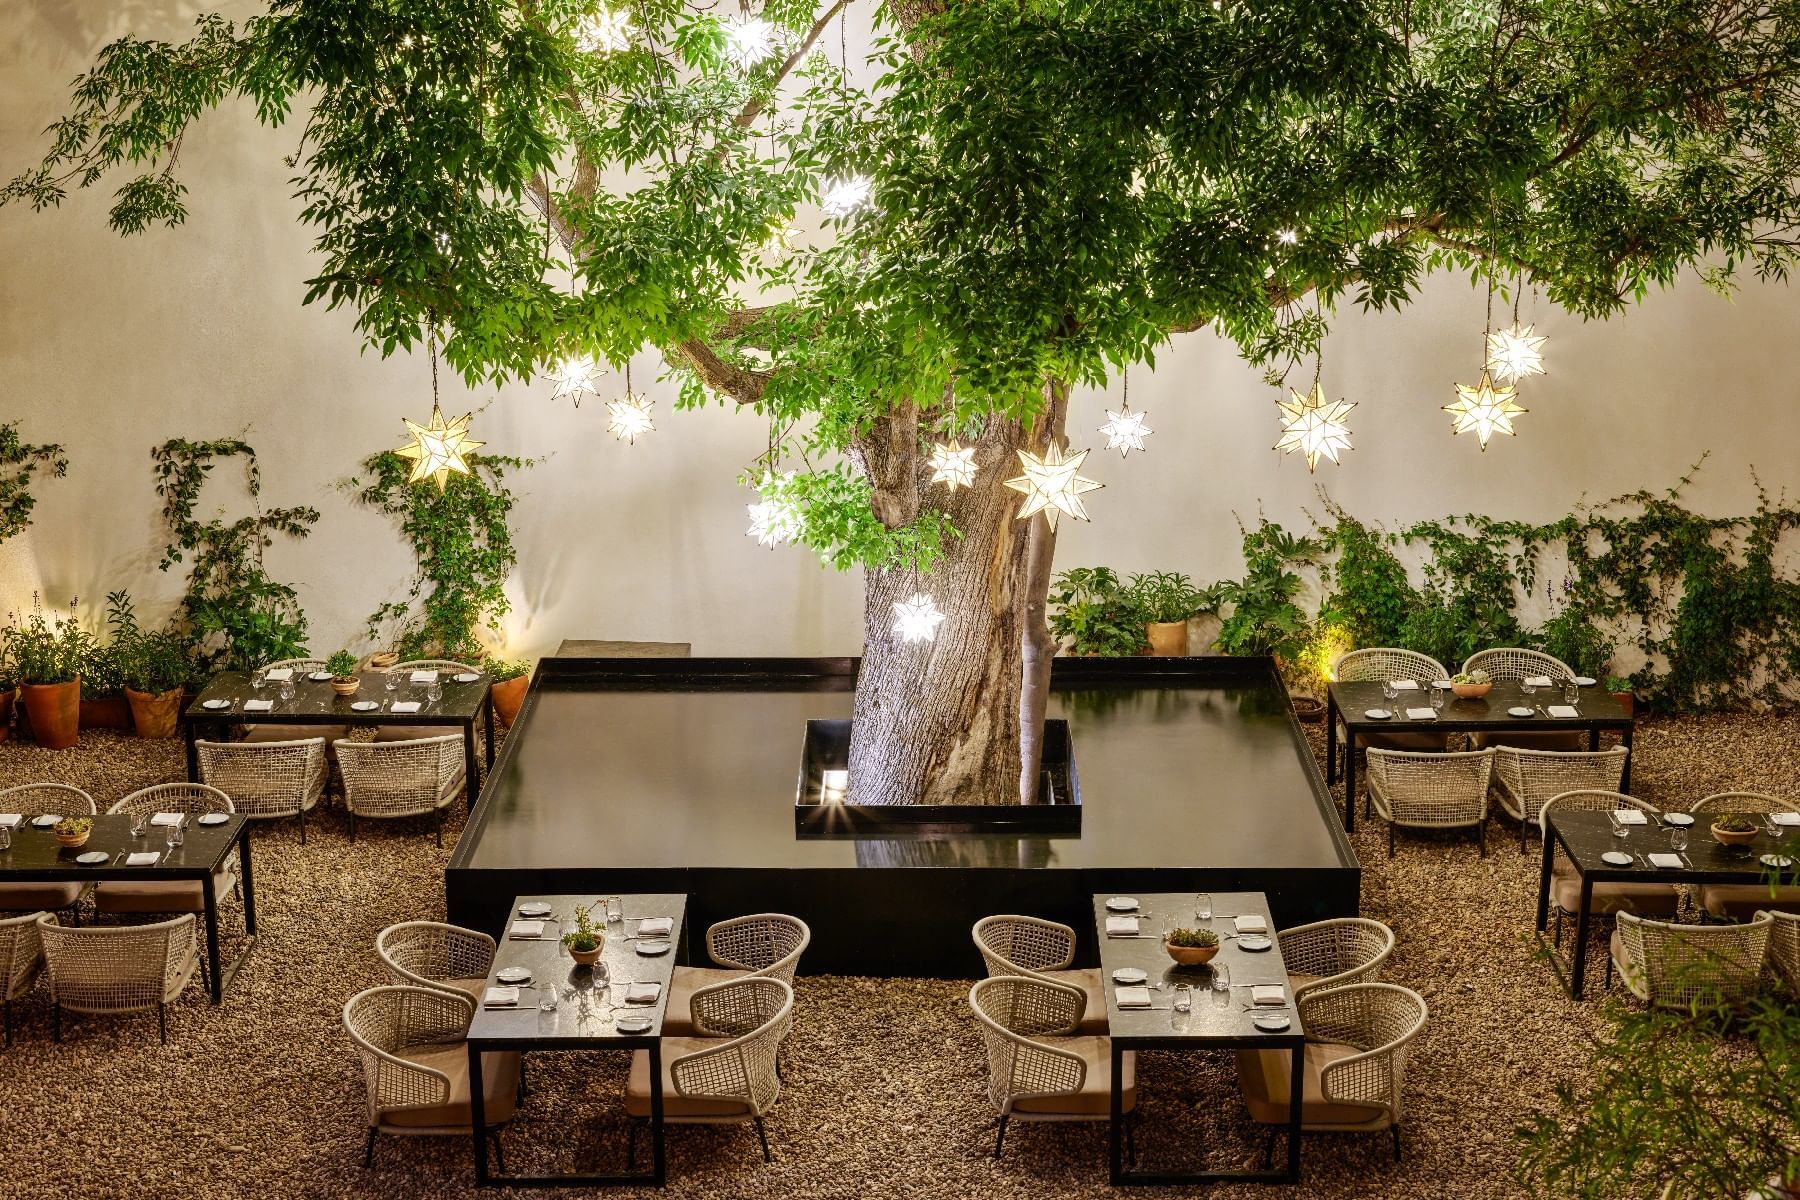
<point>834,786</point>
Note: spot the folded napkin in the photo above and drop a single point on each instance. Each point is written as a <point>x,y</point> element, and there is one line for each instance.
<point>1666,860</point>
<point>1404,685</point>
<point>258,705</point>
<point>406,706</point>
<point>166,818</point>
<point>1131,997</point>
<point>14,820</point>
<point>279,674</point>
<point>643,993</point>
<point>1268,993</point>
<point>656,926</point>
<point>1422,714</point>
<point>1792,818</point>
<point>1537,681</point>
<point>1563,710</point>
<point>422,677</point>
<point>500,997</point>
<point>1251,923</point>
<point>525,929</point>
<point>1630,816</point>
<point>143,858</point>
<point>1121,926</point>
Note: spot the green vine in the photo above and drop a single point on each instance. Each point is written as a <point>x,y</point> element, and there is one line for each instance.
<point>19,462</point>
<point>233,613</point>
<point>463,547</point>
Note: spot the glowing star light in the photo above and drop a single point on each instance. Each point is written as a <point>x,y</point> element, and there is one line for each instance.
<point>1314,425</point>
<point>1515,353</point>
<point>1125,431</point>
<point>439,448</point>
<point>844,196</point>
<point>748,40</point>
<point>1050,484</point>
<point>777,519</point>
<point>917,620</point>
<point>606,32</point>
<point>628,417</point>
<point>953,463</point>
<point>574,375</point>
<point>1485,409</point>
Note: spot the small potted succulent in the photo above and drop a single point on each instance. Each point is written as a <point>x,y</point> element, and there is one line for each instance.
<point>510,679</point>
<point>1620,687</point>
<point>1471,685</point>
<point>585,943</point>
<point>344,679</point>
<point>1735,829</point>
<point>73,831</point>
<point>1191,947</point>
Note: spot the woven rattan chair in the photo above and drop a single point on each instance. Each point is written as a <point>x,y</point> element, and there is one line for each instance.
<point>1784,948</point>
<point>118,968</point>
<point>1431,791</point>
<point>1355,1064</point>
<point>431,954</point>
<point>1040,949</point>
<point>1390,662</point>
<point>410,733</point>
<point>1039,1069</point>
<point>1655,899</point>
<point>1740,901</point>
<point>1674,966</point>
<point>185,896</point>
<point>1327,954</point>
<point>389,780</point>
<point>264,732</point>
<point>1525,778</point>
<point>35,800</point>
<point>765,944</point>
<point>726,1075</point>
<point>1511,664</point>
<point>267,780</point>
<point>416,1066</point>
<point>21,959</point>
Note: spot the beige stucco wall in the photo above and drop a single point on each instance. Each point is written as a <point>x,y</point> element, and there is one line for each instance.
<point>111,346</point>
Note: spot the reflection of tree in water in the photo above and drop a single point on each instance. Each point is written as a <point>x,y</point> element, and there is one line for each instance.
<point>1152,703</point>
<point>969,850</point>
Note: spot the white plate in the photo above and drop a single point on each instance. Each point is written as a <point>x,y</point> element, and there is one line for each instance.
<point>46,821</point>
<point>1122,904</point>
<point>1377,714</point>
<point>1271,1022</point>
<point>466,677</point>
<point>1678,818</point>
<point>1617,858</point>
<point>537,908</point>
<point>1131,976</point>
<point>1776,860</point>
<point>365,706</point>
<point>1519,710</point>
<point>1254,942</point>
<point>651,947</point>
<point>634,1025</point>
<point>513,976</point>
<point>216,704</point>
<point>319,676</point>
<point>214,818</point>
<point>1585,681</point>
<point>92,857</point>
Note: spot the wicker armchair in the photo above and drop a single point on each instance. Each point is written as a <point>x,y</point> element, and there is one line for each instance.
<point>1673,966</point>
<point>186,896</point>
<point>35,800</point>
<point>765,944</point>
<point>1658,899</point>
<point>1741,901</point>
<point>1353,1071</point>
<point>21,958</point>
<point>1784,948</point>
<point>411,733</point>
<point>431,954</point>
<point>266,780</point>
<point>265,732</point>
<point>390,780</point>
<point>416,1066</point>
<point>1524,778</point>
<point>118,968</point>
<point>727,1075</point>
<point>1040,949</point>
<point>1431,791</point>
<point>1328,954</point>
<point>1388,662</point>
<point>1511,664</point>
<point>1038,1069</point>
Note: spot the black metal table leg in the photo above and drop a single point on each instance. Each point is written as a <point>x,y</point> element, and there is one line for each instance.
<point>1581,935</point>
<point>1115,1146</point>
<point>1349,781</point>
<point>1625,776</point>
<point>210,897</point>
<point>1331,721</point>
<point>487,709</point>
<point>1296,1084</point>
<point>245,884</point>
<point>478,1116</point>
<point>471,772</point>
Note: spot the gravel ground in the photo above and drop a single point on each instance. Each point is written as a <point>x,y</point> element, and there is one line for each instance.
<point>884,1095</point>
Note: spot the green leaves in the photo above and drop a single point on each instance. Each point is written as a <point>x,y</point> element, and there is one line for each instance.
<point>20,461</point>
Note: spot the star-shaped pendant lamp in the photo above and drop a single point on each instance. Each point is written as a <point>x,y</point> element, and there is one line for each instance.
<point>1051,485</point>
<point>1514,353</point>
<point>1314,425</point>
<point>917,619</point>
<point>1484,409</point>
<point>952,463</point>
<point>439,448</point>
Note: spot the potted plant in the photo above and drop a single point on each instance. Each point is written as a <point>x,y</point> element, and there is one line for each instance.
<point>509,678</point>
<point>1191,947</point>
<point>344,678</point>
<point>381,660</point>
<point>103,687</point>
<point>1165,600</point>
<point>585,943</point>
<point>152,666</point>
<point>1471,685</point>
<point>1735,829</point>
<point>1620,687</point>
<point>1093,614</point>
<point>73,831</point>
<point>9,692</point>
<point>48,654</point>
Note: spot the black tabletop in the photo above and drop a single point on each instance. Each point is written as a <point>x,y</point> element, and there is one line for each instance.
<point>36,857</point>
<point>581,1019</point>
<point>315,703</point>
<point>1585,836</point>
<point>1206,1022</point>
<point>1595,708</point>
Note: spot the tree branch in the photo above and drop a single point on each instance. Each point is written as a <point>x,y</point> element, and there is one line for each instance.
<point>754,106</point>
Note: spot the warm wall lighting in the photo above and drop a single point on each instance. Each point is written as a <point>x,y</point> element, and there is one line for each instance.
<point>834,786</point>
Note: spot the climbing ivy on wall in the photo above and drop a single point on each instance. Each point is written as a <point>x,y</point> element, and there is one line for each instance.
<point>235,614</point>
<point>20,461</point>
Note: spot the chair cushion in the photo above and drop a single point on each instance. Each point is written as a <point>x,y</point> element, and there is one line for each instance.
<point>147,897</point>
<point>637,1084</point>
<point>25,897</point>
<point>1095,1097</point>
<point>1639,898</point>
<point>411,733</point>
<point>295,733</point>
<point>499,1087</point>
<point>1093,992</point>
<point>1740,901</point>
<point>474,987</point>
<point>1263,1078</point>
<point>1573,740</point>
<point>1435,743</point>
<point>678,1015</point>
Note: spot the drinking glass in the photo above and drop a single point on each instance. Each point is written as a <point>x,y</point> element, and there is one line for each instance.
<point>139,824</point>
<point>1678,839</point>
<point>5,837</point>
<point>615,910</point>
<point>1203,906</point>
<point>390,680</point>
<point>1389,692</point>
<point>173,836</point>
<point>1571,691</point>
<point>258,678</point>
<point>1437,699</point>
<point>547,998</point>
<point>434,691</point>
<point>286,690</point>
<point>1528,687</point>
<point>1184,998</point>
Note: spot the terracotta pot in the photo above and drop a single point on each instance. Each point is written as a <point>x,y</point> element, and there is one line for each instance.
<point>1190,956</point>
<point>508,696</point>
<point>381,660</point>
<point>105,712</point>
<point>1733,837</point>
<point>346,687</point>
<point>1308,709</point>
<point>1168,639</point>
<point>55,713</point>
<point>1471,691</point>
<point>72,840</point>
<point>1625,700</point>
<point>588,958</point>
<point>6,712</point>
<point>156,714</point>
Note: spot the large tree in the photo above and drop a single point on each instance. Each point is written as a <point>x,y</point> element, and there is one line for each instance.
<point>1055,189</point>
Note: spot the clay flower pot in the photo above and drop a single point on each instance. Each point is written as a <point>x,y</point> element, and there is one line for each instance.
<point>508,696</point>
<point>1168,639</point>
<point>1471,691</point>
<point>72,840</point>
<point>1733,837</point>
<point>1626,700</point>
<point>1190,956</point>
<point>105,712</point>
<point>6,712</point>
<point>346,687</point>
<point>156,714</point>
<point>1307,709</point>
<point>54,710</point>
<point>381,660</point>
<point>587,958</point>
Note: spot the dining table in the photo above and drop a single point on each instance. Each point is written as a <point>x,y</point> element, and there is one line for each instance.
<point>1585,837</point>
<point>1220,1018</point>
<point>235,698</point>
<point>35,856</point>
<point>1353,703</point>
